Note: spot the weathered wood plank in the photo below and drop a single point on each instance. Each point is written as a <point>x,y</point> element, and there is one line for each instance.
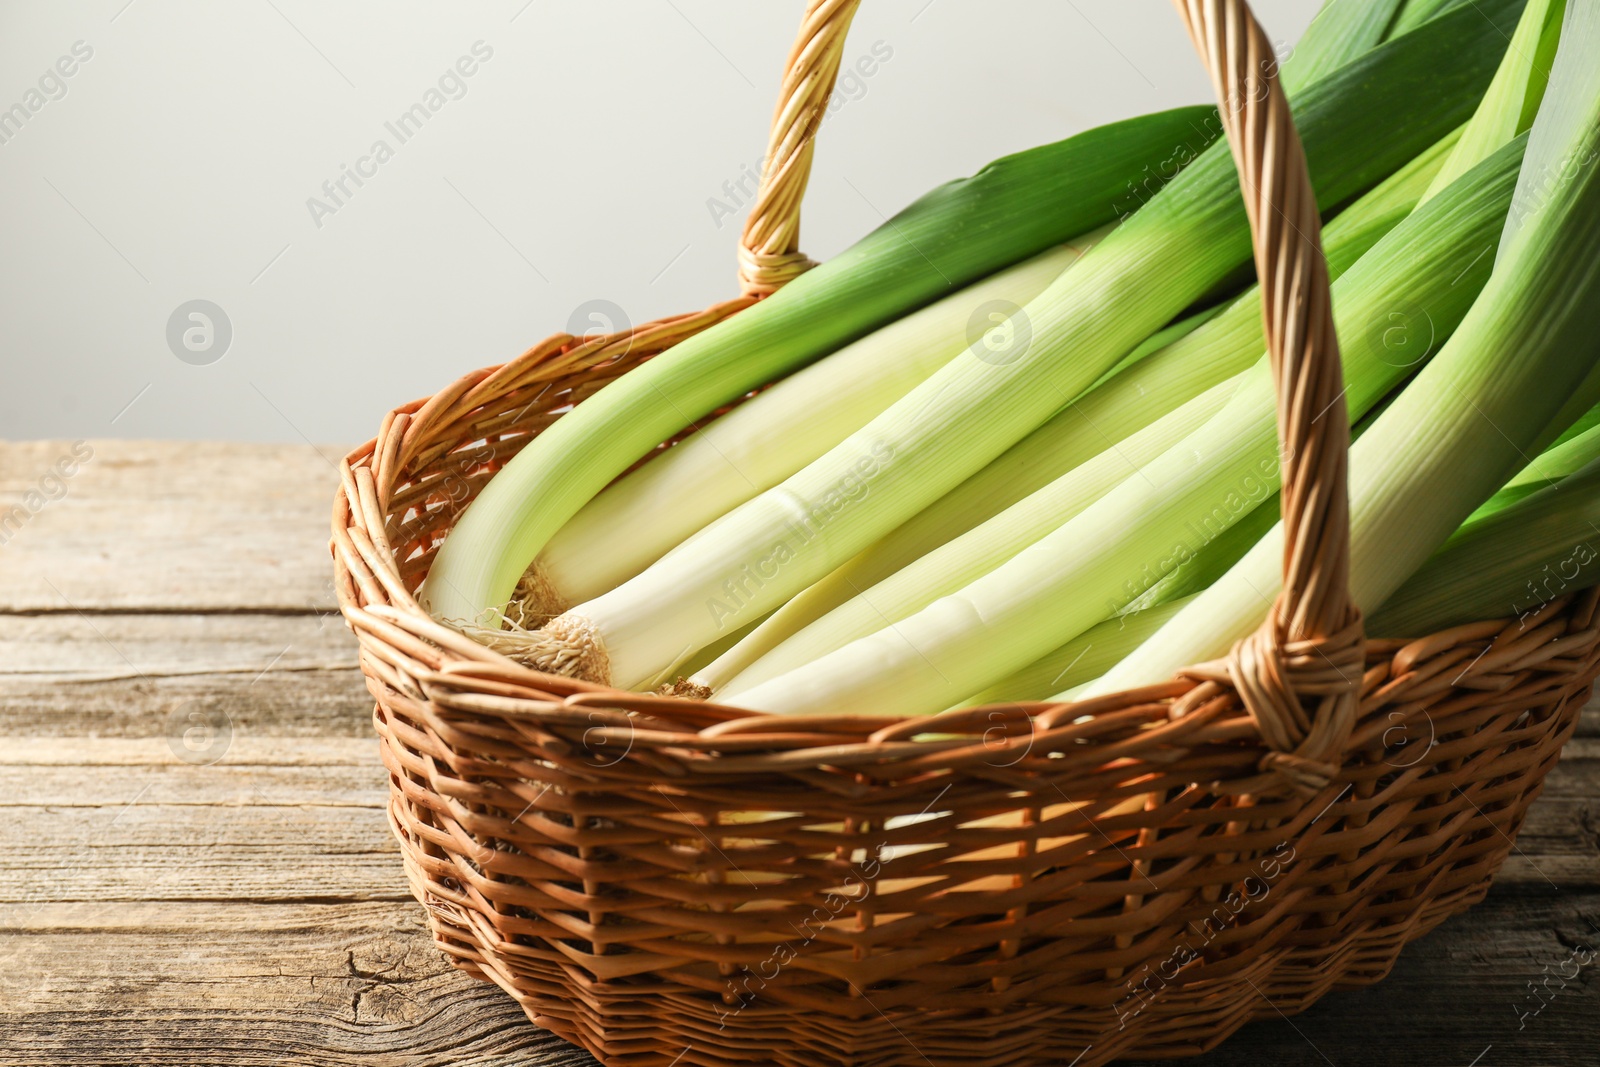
<point>259,985</point>
<point>115,775</point>
<point>246,752</point>
<point>114,675</point>
<point>151,525</point>
<point>250,984</point>
<point>1559,845</point>
<point>305,704</point>
<point>304,855</point>
<point>99,788</point>
<point>133,647</point>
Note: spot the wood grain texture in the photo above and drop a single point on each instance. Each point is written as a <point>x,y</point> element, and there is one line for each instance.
<point>125,675</point>
<point>164,526</point>
<point>238,901</point>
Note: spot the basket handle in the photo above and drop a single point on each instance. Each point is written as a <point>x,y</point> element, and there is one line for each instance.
<point>769,247</point>
<point>1311,644</point>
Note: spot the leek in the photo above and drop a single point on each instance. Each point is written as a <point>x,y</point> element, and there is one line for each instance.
<point>1413,13</point>
<point>981,549</point>
<point>757,445</point>
<point>1461,429</point>
<point>1507,564</point>
<point>1557,462</point>
<point>1100,647</point>
<point>1580,426</point>
<point>1512,556</point>
<point>1014,208</point>
<point>1083,659</point>
<point>1513,97</point>
<point>1160,600</point>
<point>1215,559</point>
<point>1181,369</point>
<point>1163,338</point>
<point>1340,32</point>
<point>1071,579</point>
<point>1513,560</point>
<point>1169,253</point>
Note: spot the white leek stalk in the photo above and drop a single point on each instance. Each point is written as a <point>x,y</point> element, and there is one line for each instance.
<point>1462,427</point>
<point>1083,659</point>
<point>1187,359</point>
<point>983,548</point>
<point>636,520</point>
<point>1073,578</point>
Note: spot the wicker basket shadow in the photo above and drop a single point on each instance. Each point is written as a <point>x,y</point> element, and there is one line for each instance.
<point>665,881</point>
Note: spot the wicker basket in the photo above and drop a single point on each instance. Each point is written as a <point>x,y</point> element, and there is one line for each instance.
<point>1137,875</point>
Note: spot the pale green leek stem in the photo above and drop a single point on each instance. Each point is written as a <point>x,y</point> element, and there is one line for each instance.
<point>639,518</point>
<point>1083,659</point>
<point>1186,365</point>
<point>1464,426</point>
<point>983,548</point>
<point>1510,564</point>
<point>1512,100</point>
<point>1073,578</point>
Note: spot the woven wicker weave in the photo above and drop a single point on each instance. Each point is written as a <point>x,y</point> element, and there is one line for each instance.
<point>1137,875</point>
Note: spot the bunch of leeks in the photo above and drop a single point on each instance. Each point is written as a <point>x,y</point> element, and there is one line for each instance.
<point>1021,443</point>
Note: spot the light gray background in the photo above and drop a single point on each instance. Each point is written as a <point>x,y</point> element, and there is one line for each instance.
<point>578,165</point>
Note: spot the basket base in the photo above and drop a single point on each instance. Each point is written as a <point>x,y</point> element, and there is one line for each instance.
<point>1347,934</point>
<point>624,1026</point>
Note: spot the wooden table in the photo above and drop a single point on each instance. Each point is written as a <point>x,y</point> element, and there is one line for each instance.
<point>195,866</point>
